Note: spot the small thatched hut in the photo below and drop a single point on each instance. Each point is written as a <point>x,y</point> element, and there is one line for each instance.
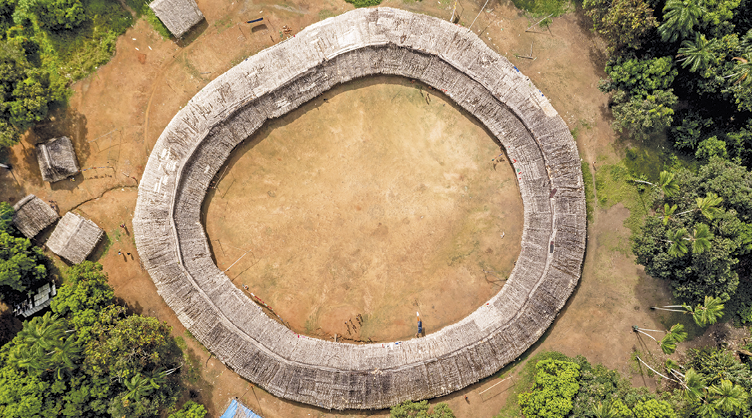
<point>33,215</point>
<point>178,15</point>
<point>57,160</point>
<point>74,238</point>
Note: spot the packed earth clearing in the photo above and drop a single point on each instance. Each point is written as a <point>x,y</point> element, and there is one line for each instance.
<point>365,206</point>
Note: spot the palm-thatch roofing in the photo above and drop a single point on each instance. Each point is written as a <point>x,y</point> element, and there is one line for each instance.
<point>178,15</point>
<point>173,245</point>
<point>74,238</point>
<point>57,159</point>
<point>32,215</point>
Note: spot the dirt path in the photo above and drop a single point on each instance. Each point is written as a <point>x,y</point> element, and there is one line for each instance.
<point>116,115</point>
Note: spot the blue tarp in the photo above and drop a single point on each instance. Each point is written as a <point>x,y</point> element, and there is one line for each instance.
<point>238,410</point>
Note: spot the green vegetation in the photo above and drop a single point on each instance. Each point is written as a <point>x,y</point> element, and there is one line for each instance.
<point>409,409</point>
<point>587,178</point>
<point>543,7</point>
<point>364,3</point>
<point>22,265</point>
<point>559,386</point>
<point>190,410</point>
<point>89,358</point>
<point>47,44</point>
<point>555,387</point>
<point>700,234</point>
<point>682,68</point>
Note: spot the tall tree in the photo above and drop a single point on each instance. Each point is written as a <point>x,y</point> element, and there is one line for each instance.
<point>696,54</point>
<point>679,19</point>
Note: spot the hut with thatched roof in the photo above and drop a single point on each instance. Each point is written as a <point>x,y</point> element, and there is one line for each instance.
<point>32,215</point>
<point>57,159</point>
<point>178,15</point>
<point>174,248</point>
<point>74,238</point>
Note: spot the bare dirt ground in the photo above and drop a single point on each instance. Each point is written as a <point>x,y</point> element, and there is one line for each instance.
<point>116,115</point>
<point>368,204</point>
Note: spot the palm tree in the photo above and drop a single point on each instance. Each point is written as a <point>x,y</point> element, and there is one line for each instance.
<point>700,240</point>
<point>667,212</point>
<point>678,240</point>
<point>653,370</point>
<point>31,360</point>
<point>639,330</point>
<point>697,54</point>
<point>64,356</point>
<point>707,313</point>
<point>138,386</point>
<point>44,332</point>
<point>743,70</point>
<point>707,205</point>
<point>727,397</point>
<point>679,18</point>
<point>693,385</point>
<point>605,411</point>
<point>701,237</point>
<point>673,337</point>
<point>666,183</point>
<point>704,314</point>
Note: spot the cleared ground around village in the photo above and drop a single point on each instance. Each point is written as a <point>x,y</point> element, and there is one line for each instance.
<point>116,115</point>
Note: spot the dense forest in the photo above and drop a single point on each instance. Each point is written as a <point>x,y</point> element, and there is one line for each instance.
<point>88,356</point>
<point>682,68</point>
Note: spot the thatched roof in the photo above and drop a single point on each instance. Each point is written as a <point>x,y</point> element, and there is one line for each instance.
<point>32,215</point>
<point>178,15</point>
<point>57,159</point>
<point>173,246</point>
<point>74,238</point>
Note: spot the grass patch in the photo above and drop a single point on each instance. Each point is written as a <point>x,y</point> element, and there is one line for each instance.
<point>106,244</point>
<point>141,7</point>
<point>587,178</point>
<point>612,185</point>
<point>524,383</point>
<point>543,7</point>
<point>325,13</point>
<point>364,3</point>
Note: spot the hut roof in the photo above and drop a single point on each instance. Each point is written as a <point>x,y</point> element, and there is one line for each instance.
<point>173,245</point>
<point>57,159</point>
<point>32,215</point>
<point>74,238</point>
<point>178,15</point>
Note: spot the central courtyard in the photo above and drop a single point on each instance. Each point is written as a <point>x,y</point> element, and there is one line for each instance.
<point>372,202</point>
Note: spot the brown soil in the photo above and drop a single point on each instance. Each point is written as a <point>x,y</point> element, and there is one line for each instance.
<point>364,206</point>
<point>116,115</point>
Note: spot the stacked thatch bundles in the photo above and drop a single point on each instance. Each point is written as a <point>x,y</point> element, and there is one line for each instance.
<point>74,238</point>
<point>32,215</point>
<point>174,248</point>
<point>57,159</point>
<point>178,15</point>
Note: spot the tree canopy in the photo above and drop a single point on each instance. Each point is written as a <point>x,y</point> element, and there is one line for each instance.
<point>88,358</point>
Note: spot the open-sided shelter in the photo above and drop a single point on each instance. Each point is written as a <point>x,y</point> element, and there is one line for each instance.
<point>178,15</point>
<point>74,238</point>
<point>32,215</point>
<point>57,159</point>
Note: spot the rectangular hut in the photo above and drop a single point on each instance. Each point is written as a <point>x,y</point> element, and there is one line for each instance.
<point>32,215</point>
<point>74,238</point>
<point>57,159</point>
<point>178,15</point>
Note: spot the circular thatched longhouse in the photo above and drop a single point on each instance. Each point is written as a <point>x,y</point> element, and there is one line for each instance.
<point>173,246</point>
